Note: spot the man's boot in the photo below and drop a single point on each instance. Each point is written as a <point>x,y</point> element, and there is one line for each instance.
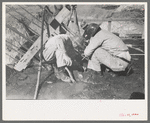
<point>127,72</point>
<point>60,74</point>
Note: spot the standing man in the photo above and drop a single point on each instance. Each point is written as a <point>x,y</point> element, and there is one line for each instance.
<point>103,47</point>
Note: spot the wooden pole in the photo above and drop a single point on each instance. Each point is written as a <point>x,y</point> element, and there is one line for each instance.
<point>40,63</point>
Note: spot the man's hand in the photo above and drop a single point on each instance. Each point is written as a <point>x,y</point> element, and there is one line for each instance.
<point>84,57</point>
<point>67,60</point>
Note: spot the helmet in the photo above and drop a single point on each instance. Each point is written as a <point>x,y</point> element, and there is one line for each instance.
<point>90,30</point>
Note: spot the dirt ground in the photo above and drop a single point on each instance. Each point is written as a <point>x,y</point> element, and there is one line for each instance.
<point>21,85</point>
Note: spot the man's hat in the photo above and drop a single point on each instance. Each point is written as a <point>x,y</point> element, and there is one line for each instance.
<point>91,30</point>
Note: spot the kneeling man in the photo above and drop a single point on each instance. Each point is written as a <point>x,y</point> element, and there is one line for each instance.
<point>104,47</point>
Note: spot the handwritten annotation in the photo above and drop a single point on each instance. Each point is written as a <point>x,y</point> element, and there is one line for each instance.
<point>128,115</point>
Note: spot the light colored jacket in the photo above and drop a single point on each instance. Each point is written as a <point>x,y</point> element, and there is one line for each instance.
<point>106,40</point>
<point>59,42</point>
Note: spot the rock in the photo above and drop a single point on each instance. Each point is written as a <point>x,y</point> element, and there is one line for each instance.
<point>49,82</point>
<point>80,76</point>
<point>137,95</point>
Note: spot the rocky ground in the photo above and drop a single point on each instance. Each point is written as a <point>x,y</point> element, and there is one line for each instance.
<point>22,85</point>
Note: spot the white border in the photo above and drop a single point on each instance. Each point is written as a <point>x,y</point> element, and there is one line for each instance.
<point>72,109</point>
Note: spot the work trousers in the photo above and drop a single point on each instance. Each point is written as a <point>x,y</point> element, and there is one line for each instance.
<point>101,56</point>
<point>58,54</point>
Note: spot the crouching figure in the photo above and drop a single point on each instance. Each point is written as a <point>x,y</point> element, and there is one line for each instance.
<point>60,50</point>
<point>104,47</point>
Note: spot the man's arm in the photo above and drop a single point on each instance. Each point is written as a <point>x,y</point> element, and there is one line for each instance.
<point>60,44</point>
<point>94,43</point>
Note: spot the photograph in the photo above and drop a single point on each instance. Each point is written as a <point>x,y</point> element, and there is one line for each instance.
<point>75,51</point>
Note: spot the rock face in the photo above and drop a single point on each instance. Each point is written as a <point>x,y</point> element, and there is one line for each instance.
<point>103,12</point>
<point>100,11</point>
